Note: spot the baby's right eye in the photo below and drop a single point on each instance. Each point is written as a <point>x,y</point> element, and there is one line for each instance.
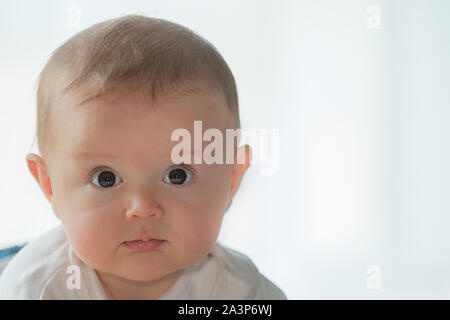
<point>106,178</point>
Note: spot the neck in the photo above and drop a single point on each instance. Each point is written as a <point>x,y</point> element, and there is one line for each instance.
<point>118,288</point>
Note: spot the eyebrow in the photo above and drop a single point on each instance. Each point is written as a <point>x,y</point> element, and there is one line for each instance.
<point>86,154</point>
<point>96,155</point>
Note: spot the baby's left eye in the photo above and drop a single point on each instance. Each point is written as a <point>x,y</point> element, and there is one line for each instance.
<point>179,175</point>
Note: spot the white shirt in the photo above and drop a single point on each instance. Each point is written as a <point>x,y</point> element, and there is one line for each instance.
<point>40,271</point>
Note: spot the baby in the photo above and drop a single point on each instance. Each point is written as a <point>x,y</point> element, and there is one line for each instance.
<point>134,224</point>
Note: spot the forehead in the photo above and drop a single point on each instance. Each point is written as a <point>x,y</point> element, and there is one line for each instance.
<point>123,124</point>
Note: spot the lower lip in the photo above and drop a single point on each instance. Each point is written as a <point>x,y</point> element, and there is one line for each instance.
<point>142,246</point>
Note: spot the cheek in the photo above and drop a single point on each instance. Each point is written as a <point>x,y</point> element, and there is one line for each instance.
<point>92,231</point>
<point>196,234</point>
<point>197,221</point>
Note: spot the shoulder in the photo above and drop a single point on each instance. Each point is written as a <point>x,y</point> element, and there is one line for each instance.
<point>35,266</point>
<point>239,278</point>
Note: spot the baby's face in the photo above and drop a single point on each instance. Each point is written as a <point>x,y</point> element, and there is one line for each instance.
<point>110,168</point>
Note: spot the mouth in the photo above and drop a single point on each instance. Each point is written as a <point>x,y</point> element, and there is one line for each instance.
<point>144,245</point>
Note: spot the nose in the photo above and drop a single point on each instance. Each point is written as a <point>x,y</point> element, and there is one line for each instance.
<point>142,206</point>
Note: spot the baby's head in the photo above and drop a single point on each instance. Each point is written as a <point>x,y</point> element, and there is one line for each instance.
<point>109,100</point>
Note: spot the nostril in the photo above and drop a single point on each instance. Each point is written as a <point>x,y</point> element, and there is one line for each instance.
<point>136,214</point>
<point>133,214</point>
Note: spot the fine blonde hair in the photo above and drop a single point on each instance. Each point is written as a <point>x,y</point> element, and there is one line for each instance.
<point>134,52</point>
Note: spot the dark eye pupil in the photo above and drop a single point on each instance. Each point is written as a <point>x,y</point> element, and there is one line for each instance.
<point>177,176</point>
<point>106,179</point>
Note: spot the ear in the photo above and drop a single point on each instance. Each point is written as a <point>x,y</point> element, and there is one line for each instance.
<point>244,154</point>
<point>39,171</point>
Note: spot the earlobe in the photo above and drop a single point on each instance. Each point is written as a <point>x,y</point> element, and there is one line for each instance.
<point>40,174</point>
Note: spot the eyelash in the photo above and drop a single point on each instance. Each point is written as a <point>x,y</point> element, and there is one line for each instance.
<point>191,170</point>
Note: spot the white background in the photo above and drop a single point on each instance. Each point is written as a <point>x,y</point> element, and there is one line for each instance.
<point>363,112</point>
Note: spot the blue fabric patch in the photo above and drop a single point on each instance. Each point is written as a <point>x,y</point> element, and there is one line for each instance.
<point>10,251</point>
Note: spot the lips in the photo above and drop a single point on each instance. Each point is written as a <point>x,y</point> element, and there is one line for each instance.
<point>141,245</point>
